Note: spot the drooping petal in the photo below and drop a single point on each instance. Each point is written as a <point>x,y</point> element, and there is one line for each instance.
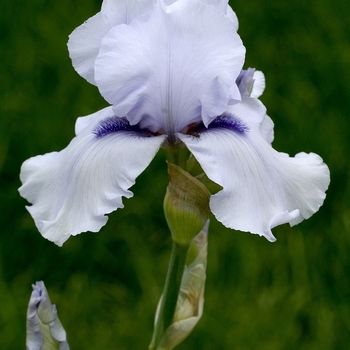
<point>171,66</point>
<point>266,129</point>
<point>253,113</point>
<point>262,188</point>
<point>90,121</point>
<point>85,41</point>
<point>72,190</point>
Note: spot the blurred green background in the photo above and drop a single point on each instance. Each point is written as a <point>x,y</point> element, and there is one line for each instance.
<point>292,294</point>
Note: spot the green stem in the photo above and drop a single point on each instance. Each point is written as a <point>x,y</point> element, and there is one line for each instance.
<point>170,293</point>
<point>176,154</point>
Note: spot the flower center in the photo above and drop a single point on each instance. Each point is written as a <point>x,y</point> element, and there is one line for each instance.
<point>115,124</point>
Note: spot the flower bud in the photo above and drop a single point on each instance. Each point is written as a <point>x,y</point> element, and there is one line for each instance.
<point>44,329</point>
<point>186,205</point>
<point>189,307</point>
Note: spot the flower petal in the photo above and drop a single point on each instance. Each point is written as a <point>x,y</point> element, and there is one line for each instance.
<point>232,17</point>
<point>222,5</point>
<point>262,188</point>
<point>85,41</point>
<point>251,82</point>
<point>259,84</point>
<point>71,190</point>
<point>253,113</point>
<point>266,129</point>
<point>225,8</point>
<point>171,66</point>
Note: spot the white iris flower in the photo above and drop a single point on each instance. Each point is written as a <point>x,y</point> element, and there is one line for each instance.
<point>172,73</point>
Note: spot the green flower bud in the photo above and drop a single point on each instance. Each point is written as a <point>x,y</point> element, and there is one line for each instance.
<point>44,329</point>
<point>186,205</point>
<point>189,307</point>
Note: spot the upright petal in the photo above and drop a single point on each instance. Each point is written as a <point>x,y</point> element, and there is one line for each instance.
<point>262,188</point>
<point>223,6</point>
<point>85,41</point>
<point>71,190</point>
<point>259,84</point>
<point>232,17</point>
<point>251,82</point>
<point>171,66</point>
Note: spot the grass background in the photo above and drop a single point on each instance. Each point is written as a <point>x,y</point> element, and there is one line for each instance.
<point>292,294</point>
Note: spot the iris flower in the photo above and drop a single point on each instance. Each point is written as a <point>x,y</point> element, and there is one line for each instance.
<point>172,74</point>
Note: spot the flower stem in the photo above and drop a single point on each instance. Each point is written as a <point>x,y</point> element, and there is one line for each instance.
<point>170,293</point>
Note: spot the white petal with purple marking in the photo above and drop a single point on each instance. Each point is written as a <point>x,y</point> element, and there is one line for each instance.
<point>72,190</point>
<point>262,188</point>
